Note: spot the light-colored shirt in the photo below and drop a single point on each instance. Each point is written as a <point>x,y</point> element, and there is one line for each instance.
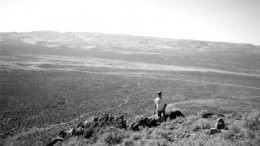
<point>160,103</point>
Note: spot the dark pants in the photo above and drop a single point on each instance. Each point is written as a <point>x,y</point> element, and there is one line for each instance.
<point>161,115</point>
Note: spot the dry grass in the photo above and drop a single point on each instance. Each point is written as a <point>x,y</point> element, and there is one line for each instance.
<point>191,130</point>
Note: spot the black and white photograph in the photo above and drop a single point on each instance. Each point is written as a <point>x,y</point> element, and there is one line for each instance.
<point>130,73</point>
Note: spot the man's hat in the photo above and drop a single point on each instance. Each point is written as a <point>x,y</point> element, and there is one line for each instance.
<point>159,92</point>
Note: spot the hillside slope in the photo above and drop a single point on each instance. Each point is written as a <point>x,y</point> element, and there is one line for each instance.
<point>51,81</point>
<point>194,130</point>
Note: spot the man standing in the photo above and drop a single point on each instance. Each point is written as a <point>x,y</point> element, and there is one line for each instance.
<point>159,106</point>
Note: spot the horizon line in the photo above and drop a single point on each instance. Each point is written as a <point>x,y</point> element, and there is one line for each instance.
<point>135,35</point>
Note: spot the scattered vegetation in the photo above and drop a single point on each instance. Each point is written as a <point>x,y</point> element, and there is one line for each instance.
<point>191,130</point>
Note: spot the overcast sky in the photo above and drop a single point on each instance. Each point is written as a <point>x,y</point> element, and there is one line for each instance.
<point>215,20</point>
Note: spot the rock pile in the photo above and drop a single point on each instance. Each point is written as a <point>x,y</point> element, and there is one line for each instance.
<point>210,115</point>
<point>95,124</point>
<point>144,121</point>
<point>90,126</point>
<point>207,115</point>
<point>173,114</point>
<point>153,121</point>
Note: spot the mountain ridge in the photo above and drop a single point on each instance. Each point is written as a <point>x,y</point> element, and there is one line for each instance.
<point>128,35</point>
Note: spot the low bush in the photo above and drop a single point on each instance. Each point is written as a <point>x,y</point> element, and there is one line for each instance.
<point>128,142</point>
<point>252,121</point>
<point>136,136</point>
<point>234,132</point>
<point>113,137</point>
<point>201,124</point>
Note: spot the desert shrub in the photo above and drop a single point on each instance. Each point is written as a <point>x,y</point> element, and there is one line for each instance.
<point>127,134</point>
<point>128,142</point>
<point>113,137</point>
<point>136,136</point>
<point>252,121</point>
<point>154,135</point>
<point>234,132</point>
<point>98,144</point>
<point>251,127</point>
<point>143,142</point>
<point>146,142</point>
<point>178,120</point>
<point>201,124</point>
<point>216,142</point>
<point>190,120</point>
<point>196,127</point>
<point>202,112</point>
<point>162,143</point>
<point>159,133</point>
<point>214,117</point>
<point>89,132</point>
<point>165,134</point>
<point>204,124</point>
<point>147,133</point>
<point>233,115</point>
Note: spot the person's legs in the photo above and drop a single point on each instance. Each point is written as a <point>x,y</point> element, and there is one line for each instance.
<point>160,116</point>
<point>163,115</point>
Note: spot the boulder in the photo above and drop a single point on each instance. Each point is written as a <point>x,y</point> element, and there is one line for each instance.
<point>62,134</point>
<point>93,119</point>
<point>101,121</point>
<point>144,121</point>
<point>207,115</point>
<point>138,121</point>
<point>80,124</point>
<point>213,131</point>
<point>152,121</point>
<point>66,134</point>
<point>173,114</point>
<point>89,132</point>
<point>220,124</point>
<point>104,118</point>
<point>78,131</point>
<point>53,141</point>
<point>84,124</point>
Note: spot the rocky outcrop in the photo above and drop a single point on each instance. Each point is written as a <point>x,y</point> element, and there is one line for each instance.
<point>103,121</point>
<point>89,127</point>
<point>173,114</point>
<point>206,114</point>
<point>54,141</point>
<point>95,124</point>
<point>153,121</point>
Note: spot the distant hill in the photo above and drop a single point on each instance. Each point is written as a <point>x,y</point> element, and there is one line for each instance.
<point>77,39</point>
<point>215,55</point>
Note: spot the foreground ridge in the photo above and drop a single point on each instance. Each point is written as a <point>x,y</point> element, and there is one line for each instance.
<point>96,124</point>
<point>205,128</point>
